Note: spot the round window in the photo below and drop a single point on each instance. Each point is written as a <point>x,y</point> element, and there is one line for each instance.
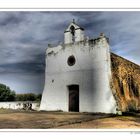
<point>71,60</point>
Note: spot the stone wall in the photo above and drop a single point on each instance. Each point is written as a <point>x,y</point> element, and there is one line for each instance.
<point>126,83</point>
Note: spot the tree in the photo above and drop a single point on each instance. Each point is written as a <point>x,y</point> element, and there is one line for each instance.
<point>6,94</point>
<point>28,97</point>
<point>38,97</point>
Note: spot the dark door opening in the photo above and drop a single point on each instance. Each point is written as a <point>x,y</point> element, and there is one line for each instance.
<point>73,98</point>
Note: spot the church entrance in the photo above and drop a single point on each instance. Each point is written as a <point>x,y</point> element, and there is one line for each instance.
<point>73,98</point>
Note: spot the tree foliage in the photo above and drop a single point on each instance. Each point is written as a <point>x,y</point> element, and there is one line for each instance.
<point>6,94</point>
<point>28,97</point>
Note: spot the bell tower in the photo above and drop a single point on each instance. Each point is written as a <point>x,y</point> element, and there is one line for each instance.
<point>74,33</point>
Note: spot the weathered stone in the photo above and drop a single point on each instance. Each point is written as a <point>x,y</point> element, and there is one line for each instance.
<point>126,82</point>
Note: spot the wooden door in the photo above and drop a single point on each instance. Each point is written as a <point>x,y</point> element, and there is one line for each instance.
<point>74,98</point>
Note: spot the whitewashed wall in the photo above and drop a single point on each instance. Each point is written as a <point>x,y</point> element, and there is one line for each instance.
<point>92,72</point>
<point>79,34</point>
<point>18,105</point>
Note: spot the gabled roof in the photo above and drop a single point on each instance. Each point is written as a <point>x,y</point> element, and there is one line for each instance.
<point>75,25</point>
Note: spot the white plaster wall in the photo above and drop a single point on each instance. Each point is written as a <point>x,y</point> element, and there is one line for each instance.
<point>91,72</point>
<point>79,34</point>
<point>18,105</point>
<point>67,38</point>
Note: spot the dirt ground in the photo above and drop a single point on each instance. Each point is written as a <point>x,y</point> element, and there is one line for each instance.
<point>43,120</point>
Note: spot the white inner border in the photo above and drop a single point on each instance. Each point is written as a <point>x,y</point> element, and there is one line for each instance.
<point>69,3</point>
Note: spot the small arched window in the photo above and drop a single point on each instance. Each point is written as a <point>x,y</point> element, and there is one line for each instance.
<point>72,30</point>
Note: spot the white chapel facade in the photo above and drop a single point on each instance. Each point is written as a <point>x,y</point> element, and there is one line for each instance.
<point>78,74</point>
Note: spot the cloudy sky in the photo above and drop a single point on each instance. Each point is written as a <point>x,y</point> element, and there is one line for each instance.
<point>24,37</point>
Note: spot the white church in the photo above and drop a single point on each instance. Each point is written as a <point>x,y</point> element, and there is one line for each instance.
<point>78,74</point>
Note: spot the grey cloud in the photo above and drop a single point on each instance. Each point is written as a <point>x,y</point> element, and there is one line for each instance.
<point>23,68</point>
